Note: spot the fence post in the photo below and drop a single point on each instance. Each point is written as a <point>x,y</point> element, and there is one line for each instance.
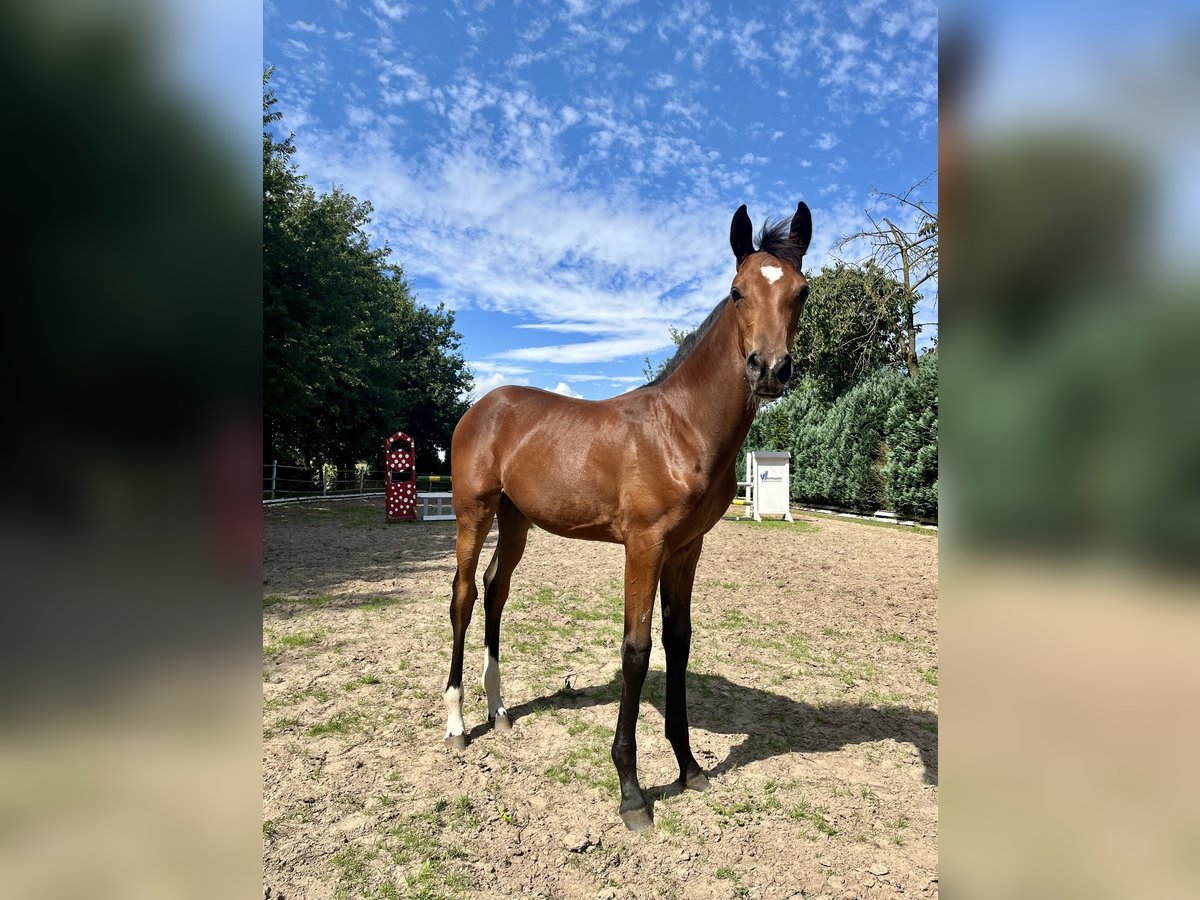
<point>361,476</point>
<point>324,481</point>
<point>274,471</point>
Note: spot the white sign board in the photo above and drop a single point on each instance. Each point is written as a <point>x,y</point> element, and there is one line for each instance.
<point>770,475</point>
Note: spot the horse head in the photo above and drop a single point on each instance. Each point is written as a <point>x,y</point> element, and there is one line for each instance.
<point>768,293</point>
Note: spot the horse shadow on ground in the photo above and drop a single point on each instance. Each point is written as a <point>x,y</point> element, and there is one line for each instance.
<point>772,724</point>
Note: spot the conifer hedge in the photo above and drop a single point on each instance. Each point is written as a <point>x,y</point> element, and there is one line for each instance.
<point>874,447</point>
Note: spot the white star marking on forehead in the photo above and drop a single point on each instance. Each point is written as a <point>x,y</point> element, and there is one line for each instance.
<point>772,273</point>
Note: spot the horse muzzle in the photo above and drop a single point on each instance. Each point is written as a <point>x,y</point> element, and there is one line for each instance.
<point>768,381</point>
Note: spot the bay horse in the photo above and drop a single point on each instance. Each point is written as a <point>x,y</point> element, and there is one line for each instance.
<point>652,469</point>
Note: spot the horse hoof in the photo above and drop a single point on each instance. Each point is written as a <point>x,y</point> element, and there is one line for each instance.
<point>637,819</point>
<point>456,742</point>
<point>697,782</point>
<point>502,723</point>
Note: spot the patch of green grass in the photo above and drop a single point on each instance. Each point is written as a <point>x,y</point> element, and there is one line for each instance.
<point>416,844</point>
<point>726,585</point>
<point>355,683</point>
<point>855,674</point>
<point>671,823</point>
<point>594,731</point>
<point>746,810</point>
<point>376,603</point>
<point>270,829</point>
<point>339,724</point>
<point>505,816</point>
<point>353,871</point>
<point>416,840</point>
<point>432,882</point>
<point>875,697</point>
<point>733,618</point>
<point>352,515</point>
<point>462,814</point>
<point>728,873</point>
<point>304,639</point>
<point>800,525</point>
<point>833,632</point>
<point>930,676</point>
<point>815,816</point>
<point>793,646</point>
<point>893,637</point>
<point>589,763</point>
<point>294,642</point>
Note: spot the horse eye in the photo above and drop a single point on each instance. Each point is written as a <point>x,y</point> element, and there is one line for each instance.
<point>735,294</point>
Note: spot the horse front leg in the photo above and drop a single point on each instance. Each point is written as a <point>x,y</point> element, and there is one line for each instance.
<point>678,577</point>
<point>643,565</point>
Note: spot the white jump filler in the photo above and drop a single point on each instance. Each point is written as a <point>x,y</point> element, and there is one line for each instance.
<point>769,479</point>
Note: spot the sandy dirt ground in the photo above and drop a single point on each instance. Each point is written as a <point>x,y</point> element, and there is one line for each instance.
<point>812,696</point>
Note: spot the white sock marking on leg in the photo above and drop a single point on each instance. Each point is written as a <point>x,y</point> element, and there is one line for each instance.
<point>454,719</point>
<point>491,684</point>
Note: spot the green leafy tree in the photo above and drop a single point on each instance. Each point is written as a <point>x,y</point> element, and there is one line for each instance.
<point>349,356</point>
<point>843,333</point>
<point>909,256</point>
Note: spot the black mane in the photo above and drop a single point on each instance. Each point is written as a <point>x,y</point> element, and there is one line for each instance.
<point>775,238</point>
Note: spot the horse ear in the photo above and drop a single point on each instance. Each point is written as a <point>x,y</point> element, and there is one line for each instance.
<point>741,234</point>
<point>801,232</point>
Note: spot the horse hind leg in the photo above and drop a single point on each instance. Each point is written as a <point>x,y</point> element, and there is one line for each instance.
<point>497,580</point>
<point>474,520</point>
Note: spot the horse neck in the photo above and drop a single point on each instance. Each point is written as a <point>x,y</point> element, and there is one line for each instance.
<point>710,394</point>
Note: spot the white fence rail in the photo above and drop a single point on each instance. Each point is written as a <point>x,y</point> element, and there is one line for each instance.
<point>292,484</point>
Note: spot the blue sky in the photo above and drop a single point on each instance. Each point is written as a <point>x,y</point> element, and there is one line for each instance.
<point>563,175</point>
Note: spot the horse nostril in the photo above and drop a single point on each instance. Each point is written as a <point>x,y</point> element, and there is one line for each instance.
<point>754,361</point>
<point>783,368</point>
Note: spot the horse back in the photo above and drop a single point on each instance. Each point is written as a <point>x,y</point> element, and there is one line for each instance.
<point>590,469</point>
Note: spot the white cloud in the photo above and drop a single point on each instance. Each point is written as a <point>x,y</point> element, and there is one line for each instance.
<point>359,116</point>
<point>308,27</point>
<point>608,379</point>
<point>394,11</point>
<point>589,351</point>
<point>489,376</point>
<point>850,43</point>
<point>746,48</point>
<point>600,220</point>
<point>566,390</point>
